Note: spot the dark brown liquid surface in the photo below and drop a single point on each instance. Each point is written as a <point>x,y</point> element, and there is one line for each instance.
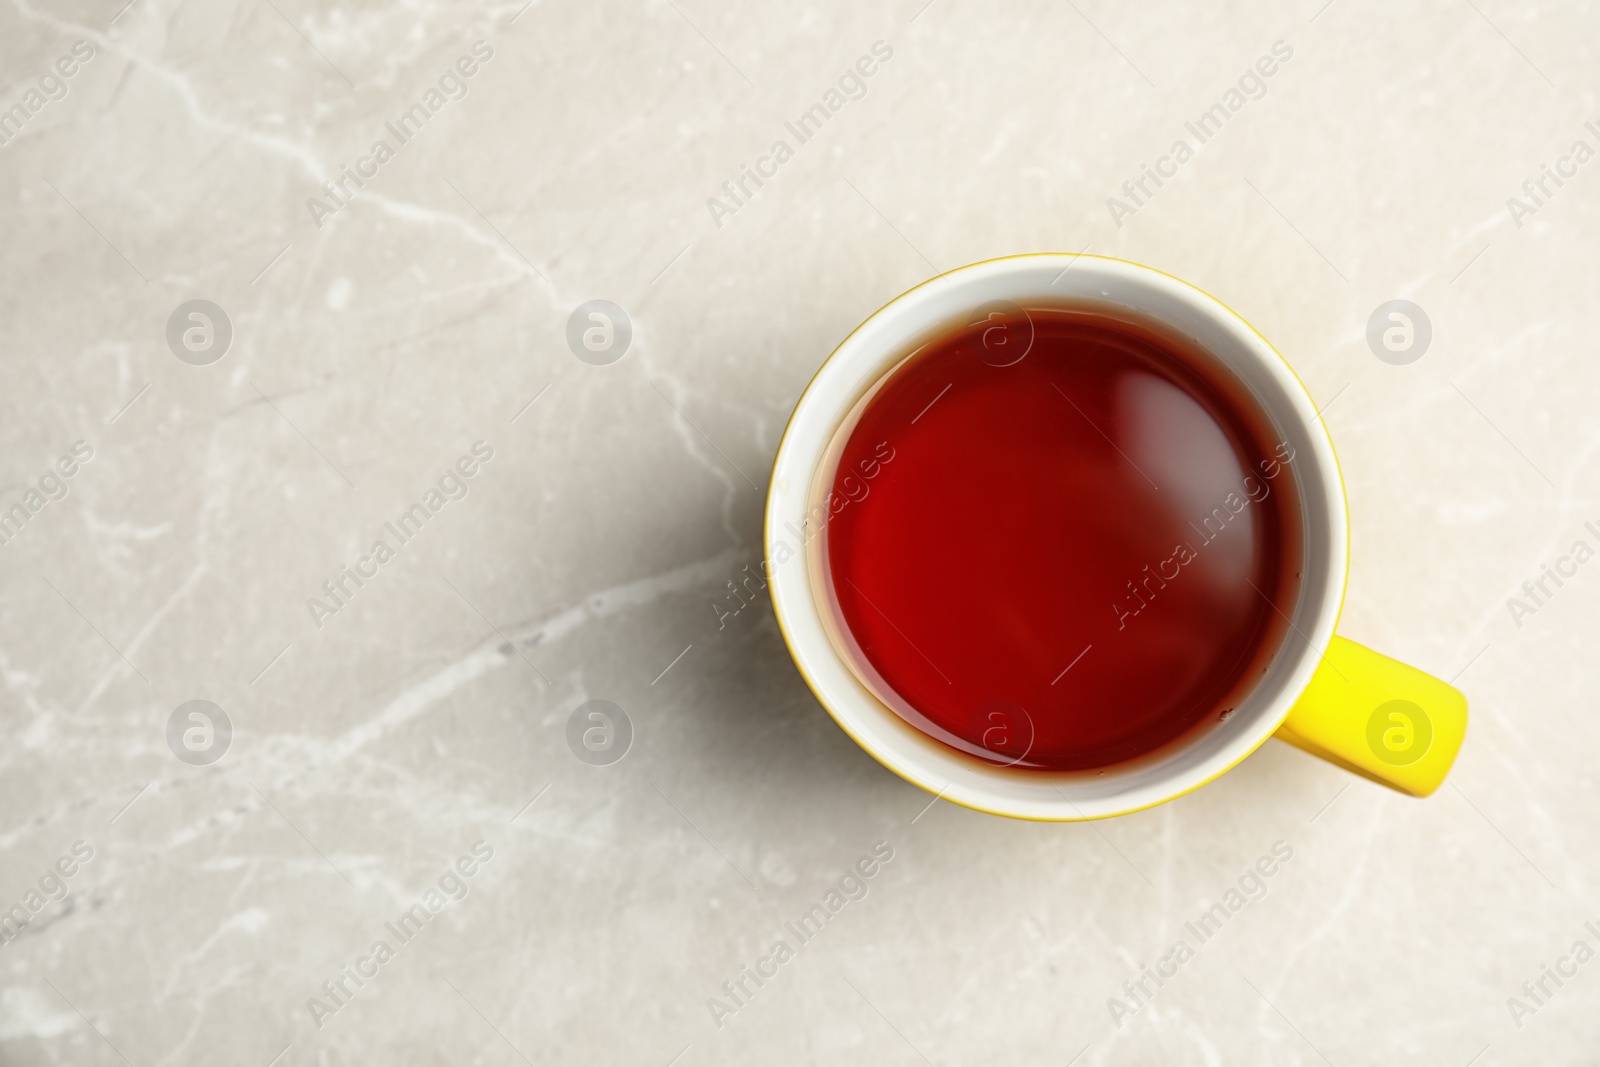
<point>1056,540</point>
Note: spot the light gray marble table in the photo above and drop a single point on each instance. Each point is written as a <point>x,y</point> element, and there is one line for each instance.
<point>180,912</point>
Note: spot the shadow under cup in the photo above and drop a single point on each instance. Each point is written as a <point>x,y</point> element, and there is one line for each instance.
<point>1063,539</point>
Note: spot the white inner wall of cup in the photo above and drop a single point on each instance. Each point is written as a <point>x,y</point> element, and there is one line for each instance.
<point>1125,289</point>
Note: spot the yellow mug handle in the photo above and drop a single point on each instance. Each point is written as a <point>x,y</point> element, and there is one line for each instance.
<point>1379,718</point>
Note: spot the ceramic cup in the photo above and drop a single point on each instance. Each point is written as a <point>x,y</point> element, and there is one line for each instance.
<point>1323,693</point>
